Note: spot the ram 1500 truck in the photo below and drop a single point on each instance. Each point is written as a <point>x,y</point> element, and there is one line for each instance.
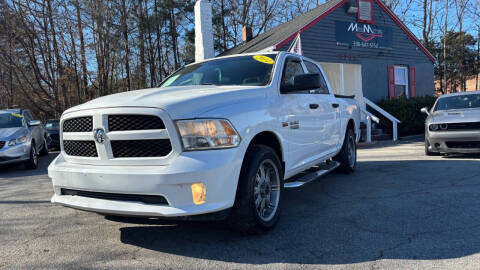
<point>222,136</point>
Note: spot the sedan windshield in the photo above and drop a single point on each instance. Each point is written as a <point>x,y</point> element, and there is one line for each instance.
<point>458,102</point>
<point>52,124</point>
<point>11,120</point>
<point>255,70</point>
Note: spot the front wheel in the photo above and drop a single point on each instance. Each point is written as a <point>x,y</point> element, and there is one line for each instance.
<point>32,162</point>
<point>427,149</point>
<point>347,157</point>
<point>257,203</point>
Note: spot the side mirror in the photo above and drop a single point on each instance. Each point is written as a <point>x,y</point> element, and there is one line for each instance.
<point>425,110</point>
<point>303,82</point>
<point>34,123</point>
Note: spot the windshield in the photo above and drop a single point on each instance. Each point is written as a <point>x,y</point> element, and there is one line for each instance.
<point>52,124</point>
<point>242,70</point>
<point>458,102</point>
<point>11,120</point>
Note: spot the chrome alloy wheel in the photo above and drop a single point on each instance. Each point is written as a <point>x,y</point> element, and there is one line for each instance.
<point>267,190</point>
<point>351,151</point>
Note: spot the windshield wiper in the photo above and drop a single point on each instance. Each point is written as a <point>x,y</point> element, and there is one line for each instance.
<point>207,84</point>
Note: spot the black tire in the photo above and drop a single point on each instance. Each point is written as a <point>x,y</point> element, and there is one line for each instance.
<point>244,216</point>
<point>44,150</point>
<point>32,162</point>
<point>428,152</point>
<point>347,157</point>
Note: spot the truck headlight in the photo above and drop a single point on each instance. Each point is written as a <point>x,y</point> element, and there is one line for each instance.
<point>202,134</point>
<point>20,140</point>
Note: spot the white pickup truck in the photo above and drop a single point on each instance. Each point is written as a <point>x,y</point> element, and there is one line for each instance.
<point>223,136</point>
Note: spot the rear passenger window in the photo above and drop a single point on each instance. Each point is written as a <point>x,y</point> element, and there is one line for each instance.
<point>312,68</point>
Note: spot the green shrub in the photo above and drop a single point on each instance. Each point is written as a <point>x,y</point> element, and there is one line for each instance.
<point>408,112</point>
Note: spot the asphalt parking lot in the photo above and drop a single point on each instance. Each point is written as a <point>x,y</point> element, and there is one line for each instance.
<point>400,209</point>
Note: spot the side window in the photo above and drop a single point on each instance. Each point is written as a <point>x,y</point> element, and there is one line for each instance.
<point>292,68</point>
<point>28,116</point>
<point>312,68</point>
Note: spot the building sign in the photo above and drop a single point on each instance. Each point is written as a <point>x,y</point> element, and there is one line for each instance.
<point>359,35</point>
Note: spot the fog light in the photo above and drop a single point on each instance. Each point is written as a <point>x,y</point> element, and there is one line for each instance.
<point>199,193</point>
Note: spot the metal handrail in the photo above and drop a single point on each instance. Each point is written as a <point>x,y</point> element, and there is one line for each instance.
<point>390,117</point>
<point>369,117</point>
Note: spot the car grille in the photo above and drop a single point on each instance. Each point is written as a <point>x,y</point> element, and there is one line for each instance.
<point>134,122</point>
<point>463,145</point>
<point>141,148</point>
<point>80,124</point>
<point>2,144</point>
<point>148,199</point>
<point>80,148</point>
<point>464,126</point>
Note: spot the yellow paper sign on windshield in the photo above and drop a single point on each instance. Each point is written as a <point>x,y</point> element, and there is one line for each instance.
<point>17,115</point>
<point>263,59</point>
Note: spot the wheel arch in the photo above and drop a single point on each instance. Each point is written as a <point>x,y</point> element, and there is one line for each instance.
<point>272,140</point>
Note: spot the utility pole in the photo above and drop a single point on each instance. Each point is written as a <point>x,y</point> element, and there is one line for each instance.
<point>445,48</point>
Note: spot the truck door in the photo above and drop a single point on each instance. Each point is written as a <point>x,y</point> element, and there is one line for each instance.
<point>300,126</point>
<point>326,114</point>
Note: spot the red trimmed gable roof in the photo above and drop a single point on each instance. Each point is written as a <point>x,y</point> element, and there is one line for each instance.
<point>382,6</point>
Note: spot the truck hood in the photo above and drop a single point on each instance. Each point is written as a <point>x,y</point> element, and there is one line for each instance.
<point>456,116</point>
<point>12,133</point>
<point>179,102</point>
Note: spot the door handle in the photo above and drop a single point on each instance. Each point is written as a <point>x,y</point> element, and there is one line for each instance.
<point>335,105</point>
<point>313,106</point>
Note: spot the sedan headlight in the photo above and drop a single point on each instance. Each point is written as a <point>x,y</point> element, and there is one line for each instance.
<point>202,134</point>
<point>20,140</point>
<point>434,127</point>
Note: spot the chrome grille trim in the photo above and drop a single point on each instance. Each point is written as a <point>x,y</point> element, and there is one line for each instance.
<point>108,153</point>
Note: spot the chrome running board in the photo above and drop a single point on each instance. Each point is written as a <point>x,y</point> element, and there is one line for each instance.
<point>311,174</point>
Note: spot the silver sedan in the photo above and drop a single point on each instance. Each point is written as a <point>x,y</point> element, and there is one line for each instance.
<point>453,124</point>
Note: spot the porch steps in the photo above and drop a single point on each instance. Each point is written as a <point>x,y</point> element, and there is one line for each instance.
<point>377,133</point>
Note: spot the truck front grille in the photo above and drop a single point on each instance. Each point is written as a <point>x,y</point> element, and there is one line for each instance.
<point>463,145</point>
<point>141,148</point>
<point>80,148</point>
<point>123,122</point>
<point>147,199</point>
<point>79,124</point>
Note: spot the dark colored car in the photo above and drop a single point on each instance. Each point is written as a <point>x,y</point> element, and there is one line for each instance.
<point>53,130</point>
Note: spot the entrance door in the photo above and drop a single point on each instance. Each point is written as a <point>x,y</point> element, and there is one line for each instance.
<point>345,79</point>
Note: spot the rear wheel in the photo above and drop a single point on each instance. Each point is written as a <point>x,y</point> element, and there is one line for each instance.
<point>32,162</point>
<point>257,202</point>
<point>347,157</point>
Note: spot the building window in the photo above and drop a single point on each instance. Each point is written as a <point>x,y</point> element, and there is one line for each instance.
<point>365,11</point>
<point>401,81</point>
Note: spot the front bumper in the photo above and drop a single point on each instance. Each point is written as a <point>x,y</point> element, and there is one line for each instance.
<point>463,142</point>
<point>219,170</point>
<point>12,154</point>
